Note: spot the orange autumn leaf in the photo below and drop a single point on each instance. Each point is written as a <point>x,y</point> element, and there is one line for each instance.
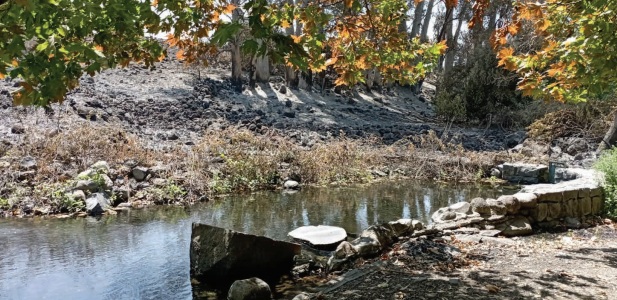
<point>155,2</point>
<point>416,2</point>
<point>348,3</point>
<point>160,58</point>
<point>14,63</point>
<point>2,76</point>
<point>98,48</point>
<point>285,24</point>
<point>229,9</point>
<point>297,39</point>
<point>180,54</point>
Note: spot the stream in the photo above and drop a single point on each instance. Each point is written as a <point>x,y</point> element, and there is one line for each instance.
<point>144,254</point>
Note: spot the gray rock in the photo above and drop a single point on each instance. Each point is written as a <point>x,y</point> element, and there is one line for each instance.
<point>572,222</point>
<point>28,163</point>
<point>511,203</point>
<point>497,207</point>
<point>139,173</point>
<point>283,90</point>
<point>97,203</point>
<point>495,173</point>
<point>18,129</point>
<point>460,207</point>
<point>101,166</point>
<point>219,255</point>
<point>479,205</point>
<point>527,200</point>
<point>366,246</point>
<point>416,225</point>
<point>344,250</point>
<point>302,296</point>
<point>402,227</point>
<point>86,185</point>
<point>78,195</point>
<point>516,227</point>
<point>291,185</point>
<point>106,184</point>
<point>384,234</point>
<point>379,173</point>
<point>319,236</point>
<point>249,289</point>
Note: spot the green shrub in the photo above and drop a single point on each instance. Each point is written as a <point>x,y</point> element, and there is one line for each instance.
<point>608,165</point>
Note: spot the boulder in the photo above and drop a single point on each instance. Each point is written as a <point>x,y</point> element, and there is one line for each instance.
<point>511,203</point>
<point>497,207</point>
<point>572,222</point>
<point>384,234</point>
<point>249,289</point>
<point>516,227</point>
<point>291,185</point>
<point>101,166</point>
<point>97,204</point>
<point>302,296</point>
<point>344,250</point>
<point>479,205</point>
<point>402,227</point>
<point>416,225</point>
<point>460,207</point>
<point>319,236</point>
<point>86,185</point>
<point>221,255</point>
<point>139,173</point>
<point>366,247</point>
<point>527,200</point>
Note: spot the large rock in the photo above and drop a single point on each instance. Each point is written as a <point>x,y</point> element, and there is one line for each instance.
<point>515,227</point>
<point>366,247</point>
<point>249,289</point>
<point>511,203</point>
<point>97,203</point>
<point>220,255</point>
<point>527,200</point>
<point>291,185</point>
<point>451,212</point>
<point>402,227</point>
<point>384,234</point>
<point>479,205</point>
<point>320,236</point>
<point>139,173</point>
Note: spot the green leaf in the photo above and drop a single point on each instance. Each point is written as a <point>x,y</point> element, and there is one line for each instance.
<point>225,32</point>
<point>42,46</point>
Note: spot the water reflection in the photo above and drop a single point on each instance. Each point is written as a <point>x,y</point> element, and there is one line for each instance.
<point>143,254</point>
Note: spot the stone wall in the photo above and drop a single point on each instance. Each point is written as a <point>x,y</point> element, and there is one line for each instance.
<point>532,174</point>
<point>568,203</point>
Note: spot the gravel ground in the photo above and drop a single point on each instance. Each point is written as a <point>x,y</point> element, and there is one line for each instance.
<point>578,264</point>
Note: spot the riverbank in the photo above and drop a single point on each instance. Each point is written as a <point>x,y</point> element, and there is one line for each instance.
<point>573,264</point>
<point>177,136</point>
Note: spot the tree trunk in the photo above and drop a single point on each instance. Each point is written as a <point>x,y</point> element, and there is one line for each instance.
<point>427,21</point>
<point>610,138</point>
<point>446,33</point>
<point>453,43</point>
<point>290,73</point>
<point>261,64</point>
<point>236,54</point>
<point>417,19</point>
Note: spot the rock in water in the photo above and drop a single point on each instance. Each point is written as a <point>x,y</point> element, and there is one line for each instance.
<point>220,255</point>
<point>249,289</point>
<point>97,203</point>
<point>320,236</point>
<point>291,185</point>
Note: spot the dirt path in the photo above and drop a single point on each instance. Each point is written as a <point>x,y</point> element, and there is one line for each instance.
<point>580,264</point>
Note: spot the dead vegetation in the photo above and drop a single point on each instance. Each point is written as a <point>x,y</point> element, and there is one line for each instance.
<point>224,161</point>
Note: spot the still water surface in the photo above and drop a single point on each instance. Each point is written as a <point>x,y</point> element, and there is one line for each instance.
<point>144,254</point>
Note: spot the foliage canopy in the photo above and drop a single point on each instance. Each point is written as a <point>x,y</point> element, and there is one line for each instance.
<point>49,44</point>
<point>578,57</point>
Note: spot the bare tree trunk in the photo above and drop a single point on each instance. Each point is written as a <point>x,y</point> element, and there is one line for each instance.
<point>261,63</point>
<point>417,19</point>
<point>236,54</point>
<point>453,43</point>
<point>427,20</point>
<point>290,73</point>
<point>610,138</point>
<point>446,33</point>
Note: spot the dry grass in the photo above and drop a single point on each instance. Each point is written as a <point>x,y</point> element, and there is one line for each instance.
<point>589,120</point>
<point>231,160</point>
